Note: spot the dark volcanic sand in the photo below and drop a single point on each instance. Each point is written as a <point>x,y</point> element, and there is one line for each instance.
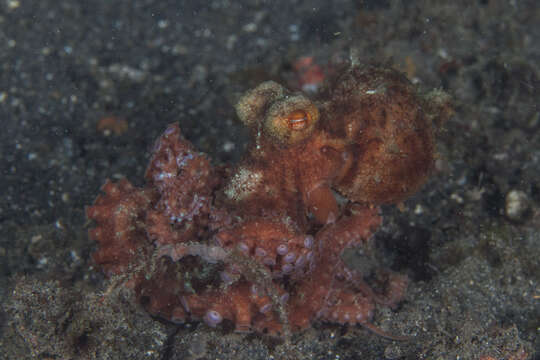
<point>470,240</point>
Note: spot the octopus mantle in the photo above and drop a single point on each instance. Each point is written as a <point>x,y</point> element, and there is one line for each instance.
<point>260,244</point>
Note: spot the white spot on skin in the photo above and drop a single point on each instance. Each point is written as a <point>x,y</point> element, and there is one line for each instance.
<point>244,183</point>
<point>163,175</point>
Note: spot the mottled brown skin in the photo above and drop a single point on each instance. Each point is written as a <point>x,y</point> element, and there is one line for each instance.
<point>261,245</point>
<point>284,190</point>
<point>120,212</point>
<point>379,113</point>
<point>369,140</point>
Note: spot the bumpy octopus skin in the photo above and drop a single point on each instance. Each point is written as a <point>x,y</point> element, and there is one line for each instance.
<point>260,246</point>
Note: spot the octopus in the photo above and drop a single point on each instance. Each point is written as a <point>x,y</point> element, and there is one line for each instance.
<point>259,244</point>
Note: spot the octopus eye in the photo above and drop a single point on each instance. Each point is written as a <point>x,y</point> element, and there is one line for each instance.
<point>298,120</point>
<point>291,119</point>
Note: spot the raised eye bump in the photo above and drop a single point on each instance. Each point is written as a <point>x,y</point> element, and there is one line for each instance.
<point>291,119</point>
<point>252,104</point>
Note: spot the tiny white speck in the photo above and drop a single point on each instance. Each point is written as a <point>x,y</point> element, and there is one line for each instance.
<point>13,4</point>
<point>162,24</point>
<point>251,27</point>
<point>228,146</point>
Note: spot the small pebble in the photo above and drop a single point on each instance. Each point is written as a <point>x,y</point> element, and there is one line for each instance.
<point>516,205</point>
<point>393,352</point>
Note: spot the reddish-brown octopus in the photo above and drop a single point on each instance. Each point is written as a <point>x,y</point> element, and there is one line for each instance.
<point>260,245</point>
